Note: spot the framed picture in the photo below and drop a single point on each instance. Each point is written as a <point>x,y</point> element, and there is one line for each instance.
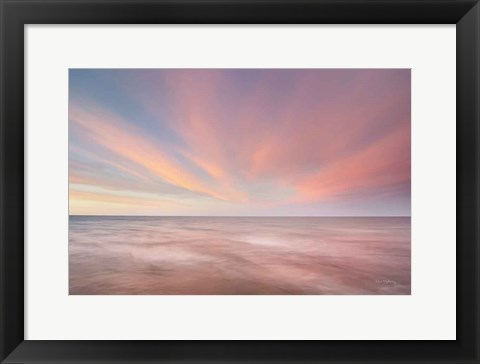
<point>239,181</point>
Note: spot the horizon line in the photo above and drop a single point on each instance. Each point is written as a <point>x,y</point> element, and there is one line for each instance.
<point>243,215</point>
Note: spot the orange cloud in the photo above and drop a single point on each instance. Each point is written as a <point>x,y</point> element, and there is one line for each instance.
<point>121,138</point>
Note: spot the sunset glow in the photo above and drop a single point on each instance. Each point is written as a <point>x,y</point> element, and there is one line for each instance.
<point>229,142</point>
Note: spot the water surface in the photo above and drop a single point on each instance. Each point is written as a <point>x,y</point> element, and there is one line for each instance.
<point>239,255</point>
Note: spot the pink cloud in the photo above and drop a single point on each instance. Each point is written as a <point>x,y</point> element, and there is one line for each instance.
<point>381,164</point>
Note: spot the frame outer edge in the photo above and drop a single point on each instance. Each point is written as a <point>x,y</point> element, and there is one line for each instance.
<point>468,189</point>
<point>11,171</point>
<point>12,180</point>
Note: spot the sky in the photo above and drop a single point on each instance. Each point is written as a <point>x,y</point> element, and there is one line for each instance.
<point>239,142</point>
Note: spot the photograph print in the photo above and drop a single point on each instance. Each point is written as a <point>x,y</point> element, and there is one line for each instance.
<point>239,181</point>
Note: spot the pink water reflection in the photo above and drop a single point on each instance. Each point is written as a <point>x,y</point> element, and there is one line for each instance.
<point>239,255</point>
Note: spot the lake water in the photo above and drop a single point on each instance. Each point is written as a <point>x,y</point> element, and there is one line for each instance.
<point>239,255</point>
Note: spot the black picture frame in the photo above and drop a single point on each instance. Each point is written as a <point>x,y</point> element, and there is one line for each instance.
<point>15,14</point>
